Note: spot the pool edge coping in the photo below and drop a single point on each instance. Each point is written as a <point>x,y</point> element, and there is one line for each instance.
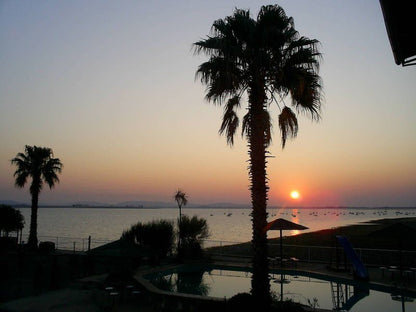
<point>139,276</point>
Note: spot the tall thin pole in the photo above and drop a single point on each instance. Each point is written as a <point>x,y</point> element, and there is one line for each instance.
<point>179,229</point>
<point>281,248</point>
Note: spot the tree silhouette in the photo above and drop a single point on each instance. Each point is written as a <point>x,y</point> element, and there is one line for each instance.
<point>261,61</point>
<point>181,199</point>
<point>192,232</point>
<point>38,164</point>
<point>11,220</point>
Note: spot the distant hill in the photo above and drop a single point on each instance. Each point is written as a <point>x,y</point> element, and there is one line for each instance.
<point>125,204</point>
<point>220,205</point>
<point>160,204</point>
<point>145,204</point>
<point>87,204</point>
<point>13,203</point>
<point>154,204</point>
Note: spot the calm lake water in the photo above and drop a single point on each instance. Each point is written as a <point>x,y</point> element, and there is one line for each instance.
<point>226,225</point>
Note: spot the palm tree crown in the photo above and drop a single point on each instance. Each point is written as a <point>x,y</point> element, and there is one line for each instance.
<point>181,198</point>
<point>38,164</point>
<point>264,58</point>
<point>262,61</point>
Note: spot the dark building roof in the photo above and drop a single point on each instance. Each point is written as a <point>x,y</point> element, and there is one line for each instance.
<point>400,22</point>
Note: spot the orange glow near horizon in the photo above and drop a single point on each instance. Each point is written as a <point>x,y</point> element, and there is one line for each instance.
<point>295,219</point>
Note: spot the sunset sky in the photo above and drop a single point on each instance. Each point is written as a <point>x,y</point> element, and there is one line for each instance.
<point>109,86</point>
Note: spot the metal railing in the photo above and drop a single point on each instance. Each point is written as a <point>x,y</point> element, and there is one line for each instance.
<point>69,243</point>
<point>233,249</point>
<point>317,254</point>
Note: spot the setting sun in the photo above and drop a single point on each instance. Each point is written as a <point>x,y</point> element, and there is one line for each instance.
<point>294,194</point>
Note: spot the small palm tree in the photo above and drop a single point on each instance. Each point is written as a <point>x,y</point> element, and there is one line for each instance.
<point>261,61</point>
<point>182,200</point>
<point>37,163</point>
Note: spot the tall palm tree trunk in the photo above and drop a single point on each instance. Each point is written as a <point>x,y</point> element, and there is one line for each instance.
<point>257,150</point>
<point>179,229</point>
<point>33,232</point>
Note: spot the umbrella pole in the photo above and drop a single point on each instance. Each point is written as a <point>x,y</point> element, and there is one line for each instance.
<point>281,249</point>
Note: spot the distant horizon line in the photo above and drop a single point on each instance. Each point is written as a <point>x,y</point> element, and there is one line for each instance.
<point>166,205</point>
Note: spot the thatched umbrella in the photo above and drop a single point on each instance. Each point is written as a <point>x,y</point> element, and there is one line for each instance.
<point>283,224</point>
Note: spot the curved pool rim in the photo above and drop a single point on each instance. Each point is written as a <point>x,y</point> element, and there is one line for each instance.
<point>144,279</point>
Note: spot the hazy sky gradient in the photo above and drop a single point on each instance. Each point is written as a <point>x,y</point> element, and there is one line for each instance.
<point>109,86</point>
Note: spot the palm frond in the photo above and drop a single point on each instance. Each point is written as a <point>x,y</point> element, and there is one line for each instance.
<point>273,19</point>
<point>303,53</point>
<point>242,26</point>
<point>23,169</point>
<point>246,129</point>
<point>214,46</point>
<point>230,119</point>
<point>306,93</point>
<point>51,179</point>
<point>288,124</point>
<point>222,78</point>
<point>20,178</point>
<point>274,28</point>
<point>50,169</point>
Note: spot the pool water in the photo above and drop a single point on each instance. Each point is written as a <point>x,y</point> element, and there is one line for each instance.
<point>308,289</point>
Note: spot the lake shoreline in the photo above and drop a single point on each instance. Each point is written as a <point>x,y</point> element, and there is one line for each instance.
<point>322,241</point>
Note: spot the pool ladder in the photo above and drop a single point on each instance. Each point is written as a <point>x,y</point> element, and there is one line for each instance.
<point>339,294</point>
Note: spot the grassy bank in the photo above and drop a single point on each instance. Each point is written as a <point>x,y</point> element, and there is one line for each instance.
<point>364,235</point>
<point>368,235</point>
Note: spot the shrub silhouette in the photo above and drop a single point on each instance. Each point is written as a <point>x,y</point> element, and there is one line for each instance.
<point>192,233</point>
<point>158,236</point>
<point>11,220</point>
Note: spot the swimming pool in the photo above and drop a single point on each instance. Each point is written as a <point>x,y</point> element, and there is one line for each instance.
<point>306,288</point>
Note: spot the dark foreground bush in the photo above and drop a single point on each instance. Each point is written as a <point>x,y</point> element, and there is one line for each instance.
<point>245,302</point>
<point>157,236</point>
<point>119,278</point>
<point>241,302</point>
<point>287,306</point>
<point>192,233</point>
<point>46,247</point>
<point>8,243</point>
<point>11,220</point>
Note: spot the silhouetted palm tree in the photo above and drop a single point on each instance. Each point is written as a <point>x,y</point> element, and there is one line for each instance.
<point>263,61</point>
<point>182,200</point>
<point>37,163</point>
